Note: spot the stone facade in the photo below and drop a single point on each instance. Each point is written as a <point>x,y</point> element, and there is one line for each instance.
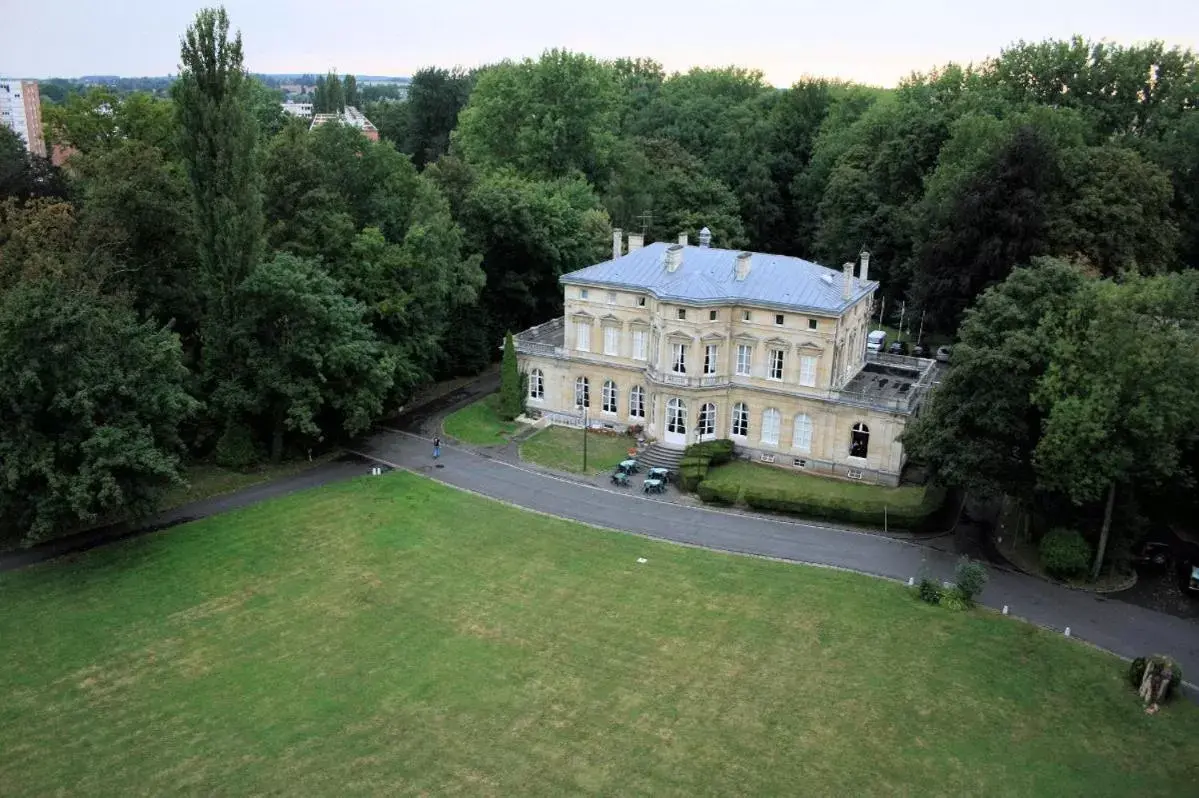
<point>790,387</point>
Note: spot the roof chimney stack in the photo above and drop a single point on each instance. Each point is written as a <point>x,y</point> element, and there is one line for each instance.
<point>864,273</point>
<point>705,237</point>
<point>847,280</point>
<point>741,269</point>
<point>636,242</point>
<point>683,239</point>
<point>616,247</point>
<point>674,257</point>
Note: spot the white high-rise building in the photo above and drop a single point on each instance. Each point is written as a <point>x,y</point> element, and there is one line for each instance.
<point>21,111</point>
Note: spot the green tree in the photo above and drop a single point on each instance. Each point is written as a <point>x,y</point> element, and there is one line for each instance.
<point>349,89</point>
<point>92,402</point>
<point>218,138</point>
<point>547,119</point>
<point>335,95</point>
<point>980,427</point>
<point>313,367</point>
<point>435,98</point>
<point>512,388</point>
<point>1121,390</point>
<point>101,119</point>
<point>320,96</point>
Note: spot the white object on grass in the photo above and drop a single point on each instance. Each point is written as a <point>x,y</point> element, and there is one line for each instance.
<point>642,560</point>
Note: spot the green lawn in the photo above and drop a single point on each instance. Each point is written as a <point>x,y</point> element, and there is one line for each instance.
<point>742,473</point>
<point>479,424</point>
<point>562,448</point>
<point>389,635</point>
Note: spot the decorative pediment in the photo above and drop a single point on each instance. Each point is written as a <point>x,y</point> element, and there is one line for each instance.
<point>712,336</point>
<point>639,323</point>
<point>778,343</point>
<point>746,338</point>
<point>582,315</point>
<point>609,320</point>
<point>809,348</point>
<point>679,334</point>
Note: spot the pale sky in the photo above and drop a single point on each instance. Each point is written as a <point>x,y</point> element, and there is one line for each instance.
<point>864,40</point>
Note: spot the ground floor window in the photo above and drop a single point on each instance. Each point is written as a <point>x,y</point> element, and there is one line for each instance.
<point>801,435</point>
<point>609,396</point>
<point>707,419</point>
<point>740,419</point>
<point>771,420</point>
<point>859,440</point>
<point>536,384</point>
<point>676,417</point>
<point>637,402</point>
<point>582,392</point>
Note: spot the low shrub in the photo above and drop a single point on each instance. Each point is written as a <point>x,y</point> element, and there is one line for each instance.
<point>1064,553</point>
<point>718,452</point>
<point>929,590</point>
<point>692,471</point>
<point>1136,673</point>
<point>954,600</point>
<point>634,430</point>
<point>969,579</point>
<point>235,449</point>
<point>833,508</point>
<point>715,493</point>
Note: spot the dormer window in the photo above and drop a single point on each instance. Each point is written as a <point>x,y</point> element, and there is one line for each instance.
<point>813,324</point>
<point>711,315</point>
<point>640,301</point>
<point>582,293</point>
<point>682,314</point>
<point>778,320</point>
<point>745,315</point>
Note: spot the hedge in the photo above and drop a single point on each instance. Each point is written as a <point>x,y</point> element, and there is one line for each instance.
<point>718,494</point>
<point>867,513</point>
<point>718,451</point>
<point>692,471</point>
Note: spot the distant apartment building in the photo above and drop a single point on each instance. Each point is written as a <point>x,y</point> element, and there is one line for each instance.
<point>352,117</point>
<point>301,110</point>
<point>21,111</point>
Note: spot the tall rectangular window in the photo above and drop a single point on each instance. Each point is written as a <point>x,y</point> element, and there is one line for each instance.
<point>710,359</point>
<point>611,297</point>
<point>637,402</point>
<point>583,336</point>
<point>807,371</point>
<point>745,315</point>
<point>639,344</point>
<point>611,340</point>
<point>679,364</point>
<point>682,314</point>
<point>776,364</point>
<point>711,315</point>
<point>744,360</point>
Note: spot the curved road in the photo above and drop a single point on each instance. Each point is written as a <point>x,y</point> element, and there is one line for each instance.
<point>1124,629</point>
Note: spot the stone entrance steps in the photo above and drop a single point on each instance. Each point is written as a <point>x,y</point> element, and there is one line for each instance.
<point>658,456</point>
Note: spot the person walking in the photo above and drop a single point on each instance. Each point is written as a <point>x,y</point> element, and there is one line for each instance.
<point>436,448</point>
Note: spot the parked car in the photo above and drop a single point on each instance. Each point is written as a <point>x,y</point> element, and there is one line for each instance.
<point>898,348</point>
<point>943,353</point>
<point>1193,584</point>
<point>919,350</point>
<point>1152,554</point>
<point>876,341</point>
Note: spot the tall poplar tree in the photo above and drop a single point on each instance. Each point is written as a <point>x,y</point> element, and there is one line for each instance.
<point>217,140</point>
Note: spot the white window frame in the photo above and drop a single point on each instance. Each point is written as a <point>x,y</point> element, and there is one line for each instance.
<point>801,432</point>
<point>772,422</point>
<point>582,392</point>
<point>740,414</point>
<point>746,315</point>
<point>611,297</point>
<point>536,385</point>
<point>775,364</point>
<point>813,324</point>
<point>712,315</point>
<point>640,301</point>
<point>639,344</point>
<point>582,293</point>
<point>779,320</point>
<point>707,419</point>
<point>854,473</point>
<point>711,355</point>
<point>681,314</point>
<point>611,340</point>
<point>609,397</point>
<point>678,358</point>
<point>637,402</point>
<point>766,458</point>
<point>807,371</point>
<point>746,369</point>
<point>583,336</point>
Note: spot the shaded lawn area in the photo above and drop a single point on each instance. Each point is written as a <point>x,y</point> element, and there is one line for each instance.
<point>205,480</point>
<point>562,448</point>
<point>391,635</point>
<point>479,424</point>
<point>742,473</point>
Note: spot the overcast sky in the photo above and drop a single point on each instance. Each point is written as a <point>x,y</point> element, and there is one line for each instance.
<point>864,40</point>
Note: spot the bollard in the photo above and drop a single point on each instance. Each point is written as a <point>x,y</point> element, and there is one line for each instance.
<point>1005,609</point>
<point>1067,631</point>
<point>911,581</point>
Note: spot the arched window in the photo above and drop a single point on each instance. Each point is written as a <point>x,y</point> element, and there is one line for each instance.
<point>771,420</point>
<point>707,420</point>
<point>740,420</point>
<point>801,436</point>
<point>536,384</point>
<point>582,392</point>
<point>637,402</point>
<point>609,396</point>
<point>676,417</point>
<point>859,440</point>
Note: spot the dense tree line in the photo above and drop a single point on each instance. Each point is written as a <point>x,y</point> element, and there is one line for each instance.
<point>299,284</point>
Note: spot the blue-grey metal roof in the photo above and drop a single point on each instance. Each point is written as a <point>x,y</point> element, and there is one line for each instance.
<point>706,276</point>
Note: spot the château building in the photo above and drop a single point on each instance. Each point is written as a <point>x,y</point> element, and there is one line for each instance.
<point>695,343</point>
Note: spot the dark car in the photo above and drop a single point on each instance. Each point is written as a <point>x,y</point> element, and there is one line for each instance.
<point>898,348</point>
<point>943,353</point>
<point>1151,555</point>
<point>919,350</point>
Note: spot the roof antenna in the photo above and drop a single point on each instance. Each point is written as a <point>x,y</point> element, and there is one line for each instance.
<point>645,219</point>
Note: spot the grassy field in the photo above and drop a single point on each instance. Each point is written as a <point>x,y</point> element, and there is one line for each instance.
<point>389,635</point>
<point>562,448</point>
<point>740,472</point>
<point>478,424</point>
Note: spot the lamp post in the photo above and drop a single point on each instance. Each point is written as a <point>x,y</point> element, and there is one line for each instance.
<point>583,410</point>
